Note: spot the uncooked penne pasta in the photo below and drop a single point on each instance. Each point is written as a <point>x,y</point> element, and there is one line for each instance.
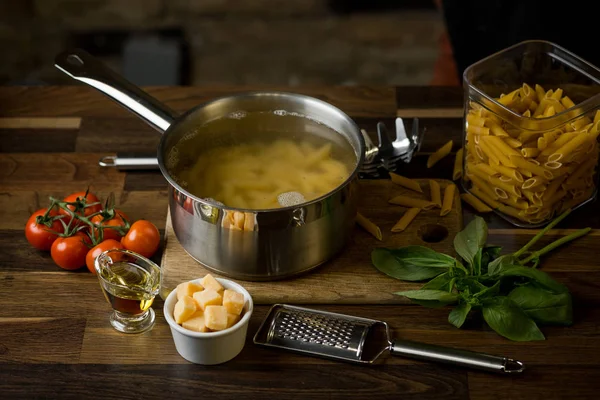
<point>406,182</point>
<point>412,202</point>
<point>369,226</point>
<point>528,165</point>
<point>448,199</point>
<point>474,202</point>
<point>439,154</point>
<point>458,166</point>
<point>406,219</point>
<point>436,194</point>
<point>526,172</point>
<point>530,152</point>
<point>567,102</point>
<point>540,92</point>
<point>475,120</point>
<point>478,130</point>
<point>484,186</point>
<point>511,173</point>
<point>509,189</point>
<point>490,201</point>
<point>512,142</point>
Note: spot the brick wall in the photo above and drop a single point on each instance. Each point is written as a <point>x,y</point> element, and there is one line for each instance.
<point>233,41</point>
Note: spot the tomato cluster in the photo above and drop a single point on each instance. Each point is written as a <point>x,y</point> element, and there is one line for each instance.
<point>78,228</point>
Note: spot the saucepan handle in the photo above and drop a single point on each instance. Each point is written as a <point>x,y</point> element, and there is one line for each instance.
<point>85,68</point>
<point>463,358</point>
<point>129,162</point>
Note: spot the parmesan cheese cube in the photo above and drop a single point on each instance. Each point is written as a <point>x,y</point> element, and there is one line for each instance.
<point>207,297</point>
<point>215,317</point>
<point>209,282</point>
<point>233,301</point>
<point>188,289</point>
<point>232,319</point>
<point>196,323</point>
<point>184,308</point>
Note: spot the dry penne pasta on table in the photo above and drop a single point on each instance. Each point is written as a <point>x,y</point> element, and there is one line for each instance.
<point>369,226</point>
<point>406,219</point>
<point>406,182</point>
<point>439,154</point>
<point>523,171</point>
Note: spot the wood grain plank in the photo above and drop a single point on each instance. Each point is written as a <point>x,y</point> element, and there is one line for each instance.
<point>41,123</point>
<point>429,97</point>
<point>17,205</point>
<point>69,171</point>
<point>41,340</point>
<point>430,113</point>
<point>145,181</point>
<point>114,134</point>
<point>407,322</point>
<point>350,277</point>
<point>545,382</point>
<point>260,381</point>
<point>84,101</point>
<point>37,140</point>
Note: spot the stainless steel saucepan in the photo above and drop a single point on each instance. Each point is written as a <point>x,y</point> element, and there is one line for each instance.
<point>278,243</point>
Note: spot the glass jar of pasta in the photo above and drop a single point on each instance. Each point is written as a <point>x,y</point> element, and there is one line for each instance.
<point>531,126</point>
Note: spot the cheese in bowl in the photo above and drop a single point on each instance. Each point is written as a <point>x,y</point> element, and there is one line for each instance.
<point>207,306</point>
<point>209,319</point>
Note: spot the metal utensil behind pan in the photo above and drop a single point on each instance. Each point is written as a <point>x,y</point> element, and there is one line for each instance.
<point>360,340</point>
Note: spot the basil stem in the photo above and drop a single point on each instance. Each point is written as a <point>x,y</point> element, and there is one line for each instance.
<point>555,244</point>
<point>541,233</point>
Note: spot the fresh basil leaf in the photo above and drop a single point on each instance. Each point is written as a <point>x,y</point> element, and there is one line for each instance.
<point>538,276</point>
<point>468,241</point>
<point>490,291</point>
<point>477,262</point>
<point>501,262</point>
<point>542,305</point>
<point>508,320</point>
<point>440,282</point>
<point>403,269</point>
<point>430,298</point>
<point>489,254</point>
<point>422,256</point>
<point>459,314</point>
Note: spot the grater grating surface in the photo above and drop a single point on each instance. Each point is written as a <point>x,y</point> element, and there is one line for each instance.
<point>318,333</point>
<point>362,340</point>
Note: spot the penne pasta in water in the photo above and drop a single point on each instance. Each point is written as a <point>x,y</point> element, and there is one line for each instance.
<point>531,174</point>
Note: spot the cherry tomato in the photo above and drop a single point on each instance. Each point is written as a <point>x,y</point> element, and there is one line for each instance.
<point>118,220</point>
<point>70,252</point>
<point>89,199</point>
<point>39,235</point>
<point>143,238</point>
<point>108,244</point>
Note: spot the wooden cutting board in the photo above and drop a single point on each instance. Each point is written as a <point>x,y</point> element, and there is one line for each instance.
<point>349,278</point>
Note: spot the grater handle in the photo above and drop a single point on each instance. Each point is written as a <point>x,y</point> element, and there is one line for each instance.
<point>449,355</point>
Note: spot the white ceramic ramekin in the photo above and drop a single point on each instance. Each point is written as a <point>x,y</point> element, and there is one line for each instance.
<point>210,348</point>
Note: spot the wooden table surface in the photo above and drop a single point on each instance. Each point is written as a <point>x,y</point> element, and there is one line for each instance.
<point>55,339</point>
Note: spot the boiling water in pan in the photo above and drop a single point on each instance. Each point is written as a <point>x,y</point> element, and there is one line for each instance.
<point>247,159</point>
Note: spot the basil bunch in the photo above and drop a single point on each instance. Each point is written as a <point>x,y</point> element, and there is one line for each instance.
<point>513,296</point>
